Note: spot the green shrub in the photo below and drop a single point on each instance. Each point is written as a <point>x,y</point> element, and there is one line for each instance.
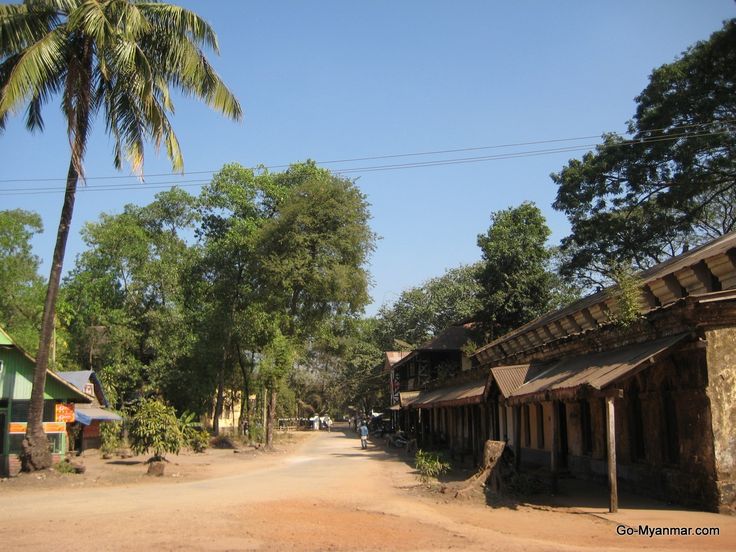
<point>195,438</point>
<point>153,426</point>
<point>430,465</point>
<point>64,467</point>
<point>110,437</point>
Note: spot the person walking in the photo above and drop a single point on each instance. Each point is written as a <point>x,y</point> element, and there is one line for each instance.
<point>363,432</point>
<point>328,423</point>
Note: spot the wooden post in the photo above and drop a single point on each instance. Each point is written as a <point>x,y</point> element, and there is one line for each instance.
<point>517,437</point>
<point>611,440</point>
<point>504,423</point>
<point>554,461</point>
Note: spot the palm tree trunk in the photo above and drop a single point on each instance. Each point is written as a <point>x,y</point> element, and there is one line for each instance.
<point>35,453</point>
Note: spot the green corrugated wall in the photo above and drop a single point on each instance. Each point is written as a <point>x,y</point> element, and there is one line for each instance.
<point>17,378</point>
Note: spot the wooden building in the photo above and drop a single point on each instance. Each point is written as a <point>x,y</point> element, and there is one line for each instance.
<point>60,397</point>
<point>441,394</point>
<point>650,406</point>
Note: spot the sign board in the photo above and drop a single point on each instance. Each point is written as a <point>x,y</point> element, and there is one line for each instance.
<point>64,413</point>
<point>17,427</point>
<point>48,427</point>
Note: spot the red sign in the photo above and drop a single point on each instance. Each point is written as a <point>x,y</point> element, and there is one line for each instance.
<point>64,413</point>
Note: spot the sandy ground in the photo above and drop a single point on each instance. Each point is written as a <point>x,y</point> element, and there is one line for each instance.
<point>320,492</point>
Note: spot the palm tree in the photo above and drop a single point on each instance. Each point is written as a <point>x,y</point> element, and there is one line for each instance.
<point>121,57</point>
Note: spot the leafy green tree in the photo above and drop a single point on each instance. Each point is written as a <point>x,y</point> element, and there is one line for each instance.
<point>233,207</point>
<point>516,277</point>
<point>672,184</point>
<point>21,288</point>
<point>125,303</point>
<point>312,255</point>
<point>116,56</point>
<point>153,426</point>
<point>277,361</point>
<point>422,312</point>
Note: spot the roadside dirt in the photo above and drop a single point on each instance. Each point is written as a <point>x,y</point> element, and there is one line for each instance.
<point>185,466</point>
<point>321,492</point>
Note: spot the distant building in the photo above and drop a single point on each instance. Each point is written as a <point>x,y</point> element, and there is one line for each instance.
<point>87,417</point>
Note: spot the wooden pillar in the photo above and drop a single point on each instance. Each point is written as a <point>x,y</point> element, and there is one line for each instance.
<point>554,461</point>
<point>611,441</point>
<point>517,437</point>
<point>473,430</point>
<point>504,423</point>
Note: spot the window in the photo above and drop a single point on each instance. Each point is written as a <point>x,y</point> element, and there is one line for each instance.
<point>20,411</point>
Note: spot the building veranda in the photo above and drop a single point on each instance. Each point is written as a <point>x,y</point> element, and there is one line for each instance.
<point>648,406</point>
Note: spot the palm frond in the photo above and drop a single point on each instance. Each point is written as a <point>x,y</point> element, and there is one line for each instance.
<point>21,26</point>
<point>177,21</point>
<point>39,63</point>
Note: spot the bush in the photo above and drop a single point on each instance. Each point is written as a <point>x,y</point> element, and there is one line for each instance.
<point>430,465</point>
<point>154,426</point>
<point>110,437</point>
<point>195,438</point>
<point>64,467</point>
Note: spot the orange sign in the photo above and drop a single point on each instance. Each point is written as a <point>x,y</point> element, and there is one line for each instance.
<point>48,427</point>
<point>64,413</point>
<point>54,427</point>
<point>17,427</point>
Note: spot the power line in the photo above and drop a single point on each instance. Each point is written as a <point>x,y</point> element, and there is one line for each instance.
<point>373,168</point>
<point>411,154</point>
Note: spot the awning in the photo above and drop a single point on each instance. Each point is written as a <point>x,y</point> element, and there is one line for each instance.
<point>510,378</point>
<point>467,393</point>
<point>573,377</point>
<point>87,414</point>
<point>406,398</point>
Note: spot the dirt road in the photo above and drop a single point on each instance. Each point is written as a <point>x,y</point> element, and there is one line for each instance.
<point>327,494</point>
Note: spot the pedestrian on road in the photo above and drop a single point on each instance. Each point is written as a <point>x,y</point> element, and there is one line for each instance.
<point>328,423</point>
<point>363,432</point>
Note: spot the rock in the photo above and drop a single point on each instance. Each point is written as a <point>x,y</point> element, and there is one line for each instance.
<point>156,469</point>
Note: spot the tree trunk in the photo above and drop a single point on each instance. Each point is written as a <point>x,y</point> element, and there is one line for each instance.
<point>244,421</point>
<point>271,417</point>
<point>35,454</point>
<point>219,400</point>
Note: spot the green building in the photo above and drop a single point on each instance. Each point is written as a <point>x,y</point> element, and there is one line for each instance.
<point>16,380</point>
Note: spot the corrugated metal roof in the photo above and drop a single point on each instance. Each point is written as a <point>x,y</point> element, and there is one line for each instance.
<point>407,397</point>
<point>595,370</point>
<point>510,378</point>
<point>77,378</point>
<point>467,393</point>
<point>87,414</point>
<point>453,338</point>
<point>713,248</point>
<point>395,356</point>
<point>392,357</point>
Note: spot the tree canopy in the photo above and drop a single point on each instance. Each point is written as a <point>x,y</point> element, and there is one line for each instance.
<point>422,312</point>
<point>21,288</point>
<point>516,277</point>
<point>672,183</point>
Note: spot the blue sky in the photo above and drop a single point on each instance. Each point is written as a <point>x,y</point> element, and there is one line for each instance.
<point>331,80</point>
